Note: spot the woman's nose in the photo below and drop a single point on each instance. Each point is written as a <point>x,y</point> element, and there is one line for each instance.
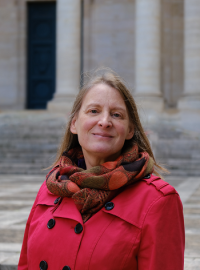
<point>105,121</point>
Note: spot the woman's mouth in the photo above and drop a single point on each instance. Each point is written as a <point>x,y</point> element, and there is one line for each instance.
<point>102,135</point>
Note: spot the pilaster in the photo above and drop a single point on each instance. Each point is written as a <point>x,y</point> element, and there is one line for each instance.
<point>68,55</point>
<point>148,52</point>
<point>191,94</point>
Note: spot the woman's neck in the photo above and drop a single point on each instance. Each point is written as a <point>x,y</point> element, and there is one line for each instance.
<point>92,161</point>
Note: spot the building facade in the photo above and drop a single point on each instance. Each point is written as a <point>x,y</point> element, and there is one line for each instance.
<point>46,45</point>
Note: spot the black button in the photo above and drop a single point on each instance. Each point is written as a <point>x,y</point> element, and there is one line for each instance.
<point>66,268</point>
<point>147,176</point>
<point>78,229</point>
<point>43,265</point>
<point>51,223</point>
<point>57,200</point>
<point>109,206</point>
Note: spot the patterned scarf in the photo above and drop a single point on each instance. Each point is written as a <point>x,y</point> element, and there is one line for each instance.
<point>90,189</point>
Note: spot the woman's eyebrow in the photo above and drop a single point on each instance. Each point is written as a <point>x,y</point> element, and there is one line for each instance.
<point>118,108</point>
<point>93,105</point>
<point>99,105</point>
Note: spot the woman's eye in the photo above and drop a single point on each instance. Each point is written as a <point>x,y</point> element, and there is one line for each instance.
<point>117,115</point>
<point>93,111</point>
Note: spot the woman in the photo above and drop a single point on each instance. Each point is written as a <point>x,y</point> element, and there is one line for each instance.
<point>100,206</point>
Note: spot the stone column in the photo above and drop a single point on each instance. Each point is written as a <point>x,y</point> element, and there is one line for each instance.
<point>148,52</point>
<point>191,94</point>
<point>67,55</point>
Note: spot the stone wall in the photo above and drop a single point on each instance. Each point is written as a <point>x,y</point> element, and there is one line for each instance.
<point>172,51</point>
<point>8,54</point>
<point>109,39</point>
<point>109,36</point>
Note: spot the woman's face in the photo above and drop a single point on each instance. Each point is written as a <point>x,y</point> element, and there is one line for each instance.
<point>102,124</point>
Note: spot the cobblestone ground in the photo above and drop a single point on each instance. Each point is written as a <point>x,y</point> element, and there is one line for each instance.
<point>17,194</point>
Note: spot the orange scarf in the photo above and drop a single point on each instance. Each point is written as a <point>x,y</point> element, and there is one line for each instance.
<point>90,189</point>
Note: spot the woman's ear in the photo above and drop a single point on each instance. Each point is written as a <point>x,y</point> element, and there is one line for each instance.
<point>73,125</point>
<point>130,133</point>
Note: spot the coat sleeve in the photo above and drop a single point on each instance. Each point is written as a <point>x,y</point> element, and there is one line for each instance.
<point>23,263</point>
<point>163,236</point>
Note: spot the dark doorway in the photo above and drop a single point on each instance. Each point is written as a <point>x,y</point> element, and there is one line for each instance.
<point>41,54</point>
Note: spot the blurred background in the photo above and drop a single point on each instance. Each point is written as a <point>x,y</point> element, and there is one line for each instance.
<point>45,47</point>
<point>154,45</point>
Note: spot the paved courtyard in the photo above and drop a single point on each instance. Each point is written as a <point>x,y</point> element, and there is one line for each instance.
<point>17,193</point>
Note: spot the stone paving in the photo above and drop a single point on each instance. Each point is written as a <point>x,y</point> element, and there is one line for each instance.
<point>17,193</point>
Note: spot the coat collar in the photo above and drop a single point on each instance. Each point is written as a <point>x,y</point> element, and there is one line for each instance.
<point>134,202</point>
<point>67,208</point>
<point>126,206</point>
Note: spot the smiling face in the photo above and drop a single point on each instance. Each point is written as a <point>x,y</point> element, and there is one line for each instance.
<point>102,125</point>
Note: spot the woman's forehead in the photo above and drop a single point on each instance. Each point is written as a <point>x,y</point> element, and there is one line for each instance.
<point>103,94</point>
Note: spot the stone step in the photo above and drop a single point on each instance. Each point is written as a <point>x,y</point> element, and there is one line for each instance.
<point>23,168</point>
<point>39,155</point>
<point>29,147</point>
<point>26,145</point>
<point>180,149</point>
<point>36,158</point>
<point>13,133</point>
<point>184,173</point>
<point>30,160</point>
<point>27,155</point>
<point>181,166</point>
<point>181,163</point>
<point>41,136</point>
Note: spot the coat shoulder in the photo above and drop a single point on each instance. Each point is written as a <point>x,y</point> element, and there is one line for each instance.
<point>149,189</point>
<point>160,185</point>
<point>135,201</point>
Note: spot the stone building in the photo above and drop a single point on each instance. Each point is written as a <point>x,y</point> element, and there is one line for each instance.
<point>153,44</point>
<point>45,45</point>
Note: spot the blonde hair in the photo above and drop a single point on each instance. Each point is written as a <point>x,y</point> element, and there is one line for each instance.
<point>109,78</point>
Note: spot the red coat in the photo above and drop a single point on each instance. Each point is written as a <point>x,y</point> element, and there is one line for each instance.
<point>143,230</point>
